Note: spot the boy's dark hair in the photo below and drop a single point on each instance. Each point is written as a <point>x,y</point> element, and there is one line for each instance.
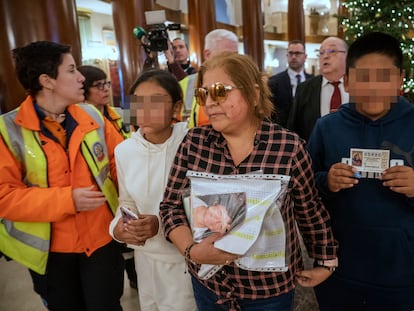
<point>35,59</point>
<point>91,74</point>
<point>164,79</point>
<point>375,42</point>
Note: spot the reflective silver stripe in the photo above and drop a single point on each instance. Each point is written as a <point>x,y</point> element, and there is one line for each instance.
<point>25,153</point>
<point>189,93</point>
<point>101,168</point>
<point>102,175</point>
<point>103,172</point>
<point>33,241</point>
<point>15,135</point>
<point>14,138</point>
<point>99,119</point>
<point>93,112</point>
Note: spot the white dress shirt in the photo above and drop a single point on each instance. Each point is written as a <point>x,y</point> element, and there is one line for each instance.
<point>293,81</point>
<point>326,94</point>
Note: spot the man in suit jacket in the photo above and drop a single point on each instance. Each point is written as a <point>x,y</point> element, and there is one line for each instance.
<point>312,98</point>
<point>283,85</point>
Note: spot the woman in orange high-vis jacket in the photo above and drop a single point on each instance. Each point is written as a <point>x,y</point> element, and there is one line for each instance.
<point>97,93</point>
<point>58,172</point>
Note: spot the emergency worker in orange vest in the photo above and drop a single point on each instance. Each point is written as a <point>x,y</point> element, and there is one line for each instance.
<point>58,185</point>
<point>97,93</point>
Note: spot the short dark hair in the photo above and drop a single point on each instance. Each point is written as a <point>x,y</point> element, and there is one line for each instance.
<point>35,59</point>
<point>164,79</point>
<point>91,74</point>
<point>297,42</point>
<point>375,42</point>
<point>178,38</point>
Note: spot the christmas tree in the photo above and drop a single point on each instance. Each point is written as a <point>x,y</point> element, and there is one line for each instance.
<point>392,17</point>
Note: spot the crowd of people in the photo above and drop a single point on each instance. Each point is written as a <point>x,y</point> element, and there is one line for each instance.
<point>72,169</point>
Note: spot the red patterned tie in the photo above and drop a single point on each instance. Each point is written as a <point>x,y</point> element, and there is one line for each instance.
<point>336,96</point>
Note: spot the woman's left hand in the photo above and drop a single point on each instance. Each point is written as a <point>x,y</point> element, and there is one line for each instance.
<point>313,277</point>
<point>205,252</point>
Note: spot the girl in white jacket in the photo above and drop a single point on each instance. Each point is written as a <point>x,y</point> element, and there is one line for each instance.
<point>143,164</point>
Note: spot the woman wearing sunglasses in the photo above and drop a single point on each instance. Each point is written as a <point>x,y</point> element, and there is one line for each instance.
<point>241,140</point>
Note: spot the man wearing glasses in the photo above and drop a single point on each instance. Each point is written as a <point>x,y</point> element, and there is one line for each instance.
<point>322,94</point>
<point>283,85</point>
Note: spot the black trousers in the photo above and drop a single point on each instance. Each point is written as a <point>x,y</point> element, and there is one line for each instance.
<point>78,282</point>
<point>337,295</point>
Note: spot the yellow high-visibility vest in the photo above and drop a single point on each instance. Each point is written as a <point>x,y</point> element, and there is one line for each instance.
<point>187,85</point>
<point>118,122</point>
<point>28,242</point>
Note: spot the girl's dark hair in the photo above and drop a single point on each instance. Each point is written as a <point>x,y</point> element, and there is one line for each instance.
<point>35,59</point>
<point>91,74</point>
<point>164,79</point>
<point>375,42</point>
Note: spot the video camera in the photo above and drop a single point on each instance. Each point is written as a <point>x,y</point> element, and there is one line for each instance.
<point>156,39</point>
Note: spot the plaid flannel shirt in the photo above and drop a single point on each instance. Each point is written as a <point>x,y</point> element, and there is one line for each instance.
<point>276,151</point>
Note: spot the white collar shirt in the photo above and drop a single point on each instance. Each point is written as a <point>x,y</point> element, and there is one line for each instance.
<point>293,80</point>
<point>326,94</point>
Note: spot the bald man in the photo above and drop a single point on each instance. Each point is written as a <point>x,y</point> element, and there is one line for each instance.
<point>313,97</point>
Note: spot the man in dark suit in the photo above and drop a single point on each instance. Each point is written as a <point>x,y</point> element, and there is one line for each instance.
<point>313,97</point>
<point>283,85</point>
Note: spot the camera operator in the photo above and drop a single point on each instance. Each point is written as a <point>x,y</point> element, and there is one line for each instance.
<point>155,39</point>
<point>181,55</point>
<point>177,59</point>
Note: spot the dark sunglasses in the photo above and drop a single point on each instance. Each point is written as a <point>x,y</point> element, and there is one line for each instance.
<point>218,92</point>
<point>101,85</point>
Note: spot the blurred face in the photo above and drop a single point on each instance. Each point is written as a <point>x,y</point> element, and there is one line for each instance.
<point>99,93</point>
<point>228,114</point>
<point>332,58</point>
<point>67,87</point>
<point>373,84</point>
<point>180,51</point>
<point>154,109</point>
<point>296,57</point>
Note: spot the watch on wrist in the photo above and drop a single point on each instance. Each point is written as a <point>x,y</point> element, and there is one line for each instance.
<point>330,264</point>
<point>332,269</point>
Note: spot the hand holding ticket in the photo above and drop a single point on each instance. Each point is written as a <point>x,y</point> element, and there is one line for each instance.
<point>370,163</point>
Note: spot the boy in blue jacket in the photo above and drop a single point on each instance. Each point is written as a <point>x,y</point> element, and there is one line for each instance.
<point>371,202</point>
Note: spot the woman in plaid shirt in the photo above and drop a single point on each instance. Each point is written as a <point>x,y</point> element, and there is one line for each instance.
<point>240,140</point>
